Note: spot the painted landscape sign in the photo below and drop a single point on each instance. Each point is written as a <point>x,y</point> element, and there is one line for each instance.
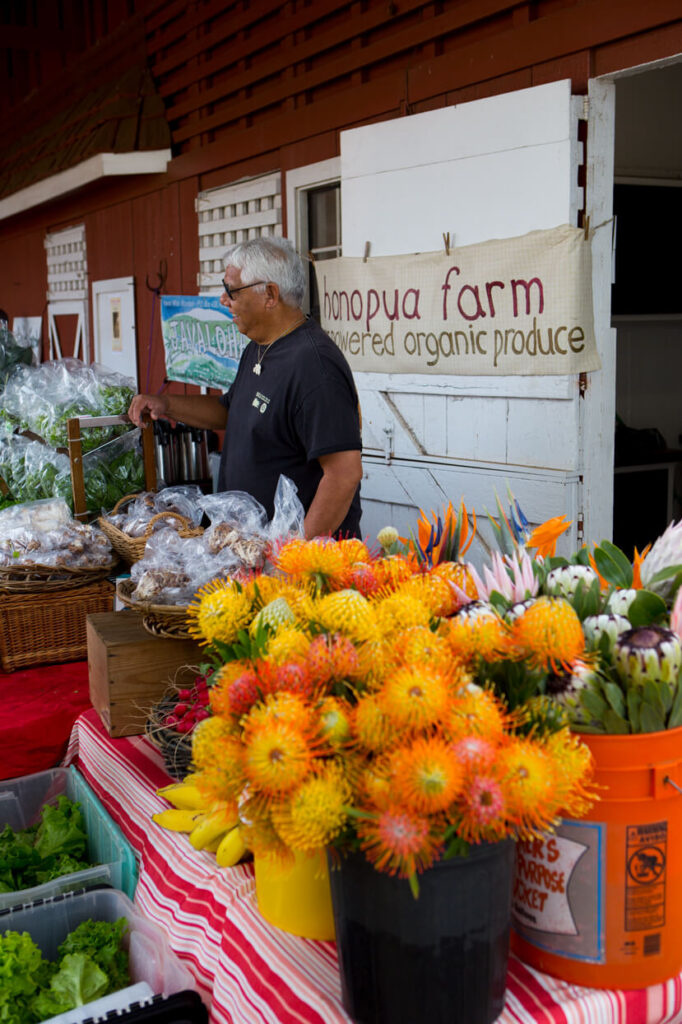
<point>201,341</point>
<point>507,306</point>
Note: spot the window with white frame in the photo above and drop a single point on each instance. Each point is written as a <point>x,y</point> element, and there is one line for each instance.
<point>233,213</point>
<point>67,288</point>
<point>314,217</point>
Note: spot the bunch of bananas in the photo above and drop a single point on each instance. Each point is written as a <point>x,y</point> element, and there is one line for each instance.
<point>213,827</point>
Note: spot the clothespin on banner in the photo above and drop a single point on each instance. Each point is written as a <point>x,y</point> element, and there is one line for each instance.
<point>366,256</point>
<point>311,256</point>
<point>446,242</point>
<point>587,228</point>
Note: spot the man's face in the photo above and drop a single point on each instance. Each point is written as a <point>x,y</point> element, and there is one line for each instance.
<point>246,306</point>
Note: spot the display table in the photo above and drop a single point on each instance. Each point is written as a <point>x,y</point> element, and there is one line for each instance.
<point>248,970</point>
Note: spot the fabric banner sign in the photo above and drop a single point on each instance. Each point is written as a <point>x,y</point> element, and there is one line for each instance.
<point>508,306</point>
<point>200,339</point>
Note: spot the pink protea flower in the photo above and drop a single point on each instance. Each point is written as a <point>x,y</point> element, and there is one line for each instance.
<point>676,615</point>
<point>510,575</point>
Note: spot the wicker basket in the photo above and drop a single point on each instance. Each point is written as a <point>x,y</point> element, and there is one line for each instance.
<point>131,549</point>
<point>167,620</point>
<point>176,747</point>
<point>44,629</point>
<point>37,579</point>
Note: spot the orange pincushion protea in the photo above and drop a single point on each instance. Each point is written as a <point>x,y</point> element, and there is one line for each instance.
<point>458,574</point>
<point>530,785</point>
<point>548,634</point>
<point>415,697</point>
<point>222,678</point>
<point>277,757</point>
<point>393,570</point>
<point>320,560</point>
<point>372,728</point>
<point>332,657</point>
<point>400,842</point>
<point>420,645</point>
<point>354,550</point>
<point>425,777</point>
<point>481,809</point>
<point>476,712</point>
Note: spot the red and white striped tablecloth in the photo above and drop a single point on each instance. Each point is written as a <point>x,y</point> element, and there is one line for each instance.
<point>249,972</point>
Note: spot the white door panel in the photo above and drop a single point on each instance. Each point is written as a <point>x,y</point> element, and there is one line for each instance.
<point>552,444</point>
<point>392,493</point>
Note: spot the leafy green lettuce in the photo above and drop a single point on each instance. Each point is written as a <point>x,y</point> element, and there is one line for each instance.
<point>55,847</point>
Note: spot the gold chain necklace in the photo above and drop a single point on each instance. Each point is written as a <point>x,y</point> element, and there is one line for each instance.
<point>256,368</point>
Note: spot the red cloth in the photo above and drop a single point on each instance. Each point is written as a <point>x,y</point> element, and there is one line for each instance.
<point>39,707</point>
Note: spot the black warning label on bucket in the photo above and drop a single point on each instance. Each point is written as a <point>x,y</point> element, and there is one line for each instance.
<point>646,859</point>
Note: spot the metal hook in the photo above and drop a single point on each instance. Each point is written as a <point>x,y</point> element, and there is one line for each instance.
<point>162,274</point>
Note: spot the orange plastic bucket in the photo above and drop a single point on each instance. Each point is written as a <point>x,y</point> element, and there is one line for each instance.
<point>296,897</point>
<point>599,903</point>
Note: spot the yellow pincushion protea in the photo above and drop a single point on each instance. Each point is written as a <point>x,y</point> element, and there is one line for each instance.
<point>205,735</point>
<point>401,610</point>
<point>277,757</point>
<point>548,634</point>
<point>219,611</point>
<point>434,591</point>
<point>349,613</point>
<point>575,764</point>
<point>288,644</point>
<point>316,811</point>
<point>477,632</point>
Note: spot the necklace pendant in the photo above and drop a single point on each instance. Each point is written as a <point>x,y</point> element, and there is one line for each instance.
<point>256,369</point>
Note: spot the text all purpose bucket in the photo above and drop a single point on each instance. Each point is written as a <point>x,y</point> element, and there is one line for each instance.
<point>600,902</point>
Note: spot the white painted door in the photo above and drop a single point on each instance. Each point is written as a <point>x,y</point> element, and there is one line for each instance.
<point>493,168</point>
<point>113,316</point>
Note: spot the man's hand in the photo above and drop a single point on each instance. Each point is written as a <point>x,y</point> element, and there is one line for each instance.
<point>155,405</point>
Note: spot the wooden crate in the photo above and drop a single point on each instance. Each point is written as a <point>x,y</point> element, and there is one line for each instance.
<point>129,669</point>
<point>48,627</point>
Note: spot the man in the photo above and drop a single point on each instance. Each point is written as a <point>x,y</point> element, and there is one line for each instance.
<point>292,407</point>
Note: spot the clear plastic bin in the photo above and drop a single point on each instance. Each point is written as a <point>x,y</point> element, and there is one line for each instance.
<point>152,961</point>
<point>21,801</point>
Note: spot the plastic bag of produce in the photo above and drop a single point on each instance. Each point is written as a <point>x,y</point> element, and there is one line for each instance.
<point>112,471</point>
<point>289,514</point>
<point>172,569</point>
<point>238,527</point>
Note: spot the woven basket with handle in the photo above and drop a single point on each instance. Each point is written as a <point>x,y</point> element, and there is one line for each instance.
<point>168,620</point>
<point>131,549</point>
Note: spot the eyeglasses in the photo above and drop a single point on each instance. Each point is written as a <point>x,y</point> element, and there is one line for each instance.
<point>231,292</point>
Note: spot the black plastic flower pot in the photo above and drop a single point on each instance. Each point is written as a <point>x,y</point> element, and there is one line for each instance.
<point>441,958</point>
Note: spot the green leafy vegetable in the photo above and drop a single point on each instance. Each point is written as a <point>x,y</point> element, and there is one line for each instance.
<point>55,847</point>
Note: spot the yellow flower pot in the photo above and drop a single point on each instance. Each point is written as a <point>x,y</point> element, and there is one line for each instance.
<point>297,897</point>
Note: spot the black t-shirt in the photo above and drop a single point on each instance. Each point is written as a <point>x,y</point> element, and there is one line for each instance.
<point>301,406</point>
